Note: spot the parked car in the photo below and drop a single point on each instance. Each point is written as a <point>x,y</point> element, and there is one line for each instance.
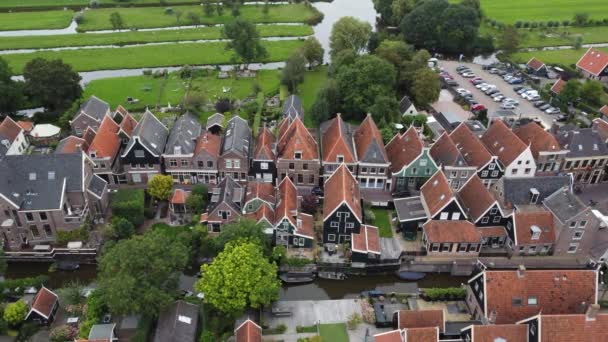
<point>507,106</point>
<point>489,86</point>
<point>544,107</point>
<point>511,101</point>
<point>516,81</point>
<point>534,98</point>
<point>451,83</point>
<point>539,103</point>
<point>468,75</point>
<point>476,82</point>
<point>528,94</point>
<point>552,110</point>
<point>461,67</point>
<point>471,101</point>
<point>561,118</point>
<point>518,88</point>
<point>462,91</point>
<point>498,98</point>
<point>493,71</point>
<point>523,90</point>
<point>481,85</point>
<point>501,72</point>
<point>491,91</point>
<point>477,107</point>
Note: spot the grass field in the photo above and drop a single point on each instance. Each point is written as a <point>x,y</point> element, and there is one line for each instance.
<point>151,17</point>
<point>554,36</point>
<point>35,20</point>
<point>334,332</point>
<point>564,57</point>
<point>150,56</point>
<point>62,3</point>
<point>542,10</point>
<point>313,81</point>
<point>136,37</point>
<point>383,222</point>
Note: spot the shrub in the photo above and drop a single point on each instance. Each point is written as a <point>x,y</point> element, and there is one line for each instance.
<point>298,262</point>
<point>169,10</point>
<point>434,294</point>
<point>353,321</point>
<point>550,23</point>
<point>518,24</point>
<point>94,3</point>
<point>566,23</point>
<point>14,313</point>
<point>79,17</point>
<point>534,24</point>
<point>207,336</point>
<point>369,215</point>
<point>185,72</point>
<point>223,106</point>
<point>129,204</point>
<point>147,72</point>
<point>526,24</point>
<point>63,333</point>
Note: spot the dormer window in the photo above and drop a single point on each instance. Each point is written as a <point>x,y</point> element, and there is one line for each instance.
<point>32,176</point>
<point>297,155</point>
<point>340,159</point>
<point>534,195</point>
<point>51,175</point>
<point>139,154</point>
<point>177,150</point>
<point>535,230</point>
<point>93,154</point>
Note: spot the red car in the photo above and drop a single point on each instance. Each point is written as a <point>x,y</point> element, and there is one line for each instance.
<point>478,107</point>
<point>473,80</point>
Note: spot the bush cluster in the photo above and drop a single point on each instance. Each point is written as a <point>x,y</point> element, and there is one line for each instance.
<point>434,294</point>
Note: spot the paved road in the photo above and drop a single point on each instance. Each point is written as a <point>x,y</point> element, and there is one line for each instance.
<point>525,108</point>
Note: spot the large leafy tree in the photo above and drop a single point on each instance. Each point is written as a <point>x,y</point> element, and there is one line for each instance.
<point>293,73</point>
<point>244,229</point>
<point>426,87</point>
<point>239,277</point>
<point>421,26</point>
<point>245,40</point>
<point>12,92</point>
<point>592,92</point>
<point>327,102</point>
<point>570,92</point>
<point>349,33</point>
<point>52,83</point>
<point>509,39</point>
<point>160,187</point>
<point>140,275</point>
<point>14,313</point>
<point>458,30</point>
<point>313,52</point>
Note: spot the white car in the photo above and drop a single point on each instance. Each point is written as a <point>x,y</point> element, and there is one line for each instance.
<point>534,98</point>
<point>498,98</point>
<point>511,101</point>
<point>552,110</point>
<point>469,75</point>
<point>507,77</point>
<point>488,87</point>
<point>507,106</point>
<point>481,85</point>
<point>529,94</point>
<point>462,91</point>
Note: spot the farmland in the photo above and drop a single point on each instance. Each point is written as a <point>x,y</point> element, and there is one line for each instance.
<point>564,57</point>
<point>35,20</point>
<point>509,12</point>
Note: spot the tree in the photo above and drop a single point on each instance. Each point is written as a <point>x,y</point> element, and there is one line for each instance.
<point>14,313</point>
<point>426,87</point>
<point>394,52</point>
<point>116,21</point>
<point>578,42</point>
<point>12,92</point>
<point>160,187</point>
<point>293,73</point>
<point>349,33</point>
<point>208,8</point>
<point>458,29</point>
<point>408,70</point>
<point>327,102</point>
<point>313,52</point>
<point>385,108</point>
<point>122,228</point>
<point>52,83</point>
<point>3,264</point>
<point>399,9</point>
<point>178,15</point>
<point>421,26</point>
<point>266,7</point>
<point>570,92</point>
<point>235,10</point>
<point>592,92</point>
<point>243,230</point>
<point>220,9</point>
<point>245,40</point>
<point>193,18</point>
<point>195,203</point>
<point>200,190</point>
<point>140,275</point>
<point>239,277</point>
<point>509,40</point>
<point>581,18</point>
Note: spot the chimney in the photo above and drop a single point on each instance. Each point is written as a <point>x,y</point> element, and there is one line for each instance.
<point>521,270</point>
<point>492,317</point>
<point>592,311</point>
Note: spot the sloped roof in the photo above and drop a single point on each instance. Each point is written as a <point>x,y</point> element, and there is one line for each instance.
<point>44,302</point>
<point>216,119</point>
<point>367,241</point>
<point>408,319</point>
<point>264,211</point>
<point>305,226</point>
<point>568,328</point>
<point>582,142</point>
<point>342,187</point>
<point>594,61</point>
<point>151,133</point>
<point>97,186</point>
<point>564,204</point>
<point>337,140</point>
<point>470,147</point>
<point>9,129</point>
<point>493,332</point>
<point>535,64</point>
<point>71,144</point>
<point>538,139</point>
<point>121,110</point>
<point>95,108</point>
<point>422,334</point>
<point>445,152</point>
<point>296,137</point>
<point>503,143</point>
<point>601,126</point>
<point>178,197</point>
<point>475,198</point>
<point>438,231</point>
<point>527,222</point>
<point>237,137</point>
<point>106,142</point>
<point>557,87</point>
<point>436,193</point>
<point>404,149</point>
<point>264,145</point>
<point>389,336</point>
<point>26,125</point>
<point>404,104</point>
<point>261,190</point>
<point>517,190</point>
<point>128,124</point>
<point>292,108</point>
<point>287,204</point>
<point>368,142</point>
<point>183,134</point>
<point>248,332</point>
<point>230,192</point>
<point>208,142</point>
<point>177,323</point>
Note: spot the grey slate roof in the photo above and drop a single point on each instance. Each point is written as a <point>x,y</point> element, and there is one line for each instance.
<point>229,192</point>
<point>35,182</point>
<point>409,209</point>
<point>237,137</point>
<point>564,204</point>
<point>216,119</point>
<point>95,107</point>
<point>151,133</point>
<point>97,186</point>
<point>102,331</point>
<point>582,142</point>
<point>182,139</point>
<point>517,190</point>
<point>177,323</point>
<point>292,107</point>
<point>404,104</point>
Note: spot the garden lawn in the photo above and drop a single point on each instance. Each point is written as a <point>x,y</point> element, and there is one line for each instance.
<point>313,81</point>
<point>383,222</point>
<point>35,20</point>
<point>151,17</point>
<point>334,332</point>
<point>213,87</point>
<point>563,35</point>
<point>138,37</point>
<point>564,57</point>
<point>150,56</point>
<point>542,10</point>
<point>63,3</point>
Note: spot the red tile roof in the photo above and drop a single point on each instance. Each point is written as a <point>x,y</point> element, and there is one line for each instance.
<point>305,226</point>
<point>9,129</point>
<point>404,149</point>
<point>204,217</point>
<point>296,137</point>
<point>106,142</point>
<point>261,190</point>
<point>470,146</point>
<point>557,87</point>
<point>524,221</point>
<point>72,144</point>
<point>208,142</point>
<point>490,333</point>
<point>365,135</point>
<point>593,61</point>
<point>248,332</point>
<point>128,124</point>
<point>287,202</point>
<point>408,319</point>
<point>535,64</point>
<point>367,241</point>
<point>438,231</point>
<point>503,143</point>
<point>390,336</point>
<point>26,125</point>
<point>120,109</point>
<point>263,145</point>
<point>556,292</point>
<point>538,139</point>
<point>422,334</point>
<point>264,211</point>
<point>44,302</point>
<point>335,142</point>
<point>444,151</point>
<point>436,193</point>
<point>342,187</point>
<point>179,196</point>
<point>604,110</point>
<point>571,328</point>
<point>89,135</point>
<point>475,198</point>
<point>495,231</point>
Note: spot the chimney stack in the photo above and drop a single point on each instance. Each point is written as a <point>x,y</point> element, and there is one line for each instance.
<point>521,271</point>
<point>592,311</point>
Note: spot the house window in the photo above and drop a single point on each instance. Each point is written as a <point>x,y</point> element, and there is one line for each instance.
<point>462,247</point>
<point>305,166</point>
<point>350,225</point>
<point>292,166</point>
<point>444,216</point>
<point>568,165</point>
<point>484,173</point>
<point>445,247</point>
<point>264,166</point>
<point>532,249</point>
<point>236,163</point>
<point>297,155</point>
<point>455,216</point>
<point>311,179</point>
<point>372,170</point>
<point>136,178</point>
<point>340,159</point>
<point>184,162</point>
<point>331,237</point>
<point>493,211</point>
<point>454,174</point>
<point>139,154</point>
<point>532,300</point>
<point>34,230</point>
<point>464,174</point>
<point>201,164</point>
<point>364,170</point>
<point>29,217</point>
<point>519,162</point>
<point>47,230</point>
<point>492,166</point>
<point>573,224</point>
<point>582,224</point>
<point>496,219</point>
<point>572,248</point>
<point>485,220</point>
<point>209,163</point>
<point>228,163</point>
<point>527,171</point>
<point>300,178</point>
<point>414,170</point>
<point>381,170</point>
<point>495,173</point>
<point>516,301</point>
<point>427,171</point>
<point>334,224</point>
<point>435,247</point>
<point>578,235</point>
<point>514,171</point>
<point>172,162</point>
<point>43,216</point>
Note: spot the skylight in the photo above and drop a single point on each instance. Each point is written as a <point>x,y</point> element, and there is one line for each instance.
<point>184,319</point>
<point>32,176</point>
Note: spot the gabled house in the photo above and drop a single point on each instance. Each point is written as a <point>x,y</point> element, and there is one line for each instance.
<point>406,107</point>
<point>292,108</point>
<point>142,157</point>
<point>450,159</point>
<point>511,192</point>
<point>557,87</point>
<point>509,296</point>
<point>44,307</point>
<point>179,150</point>
<point>263,162</point>
<point>236,149</point>
<point>205,158</point>
<point>12,138</point>
<point>445,238</point>
<point>177,202</point>
<point>291,228</point>
<point>372,159</point>
<point>342,212</point>
<point>489,169</point>
<point>583,327</point>
<point>409,319</point>
<point>215,123</point>
<point>104,150</point>
<point>297,154</point>
<point>594,65</point>
<point>248,331</point>
<point>495,333</point>
<point>536,67</point>
<point>72,144</point>
<point>177,323</point>
<point>337,146</point>
<point>438,200</point>
<point>532,232</point>
<point>225,205</point>
<point>259,204</point>
<point>587,154</point>
<point>411,164</point>
<point>366,245</point>
<point>600,125</point>
<point>547,152</point>
<point>513,154</point>
<point>90,114</point>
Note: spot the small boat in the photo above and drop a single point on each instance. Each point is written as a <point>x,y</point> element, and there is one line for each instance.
<point>332,275</point>
<point>373,293</point>
<point>296,278</point>
<point>67,266</point>
<point>411,275</point>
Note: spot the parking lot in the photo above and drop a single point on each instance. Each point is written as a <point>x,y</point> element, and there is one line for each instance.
<point>525,109</point>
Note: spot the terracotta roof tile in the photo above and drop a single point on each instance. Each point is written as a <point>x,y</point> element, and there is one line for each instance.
<point>438,231</point>
<point>71,144</point>
<point>470,146</point>
<point>491,333</point>
<point>26,125</point>
<point>557,87</point>
<point>524,223</point>
<point>336,140</point>
<point>44,301</point>
<point>120,109</point>
<point>367,241</point>
<point>89,135</point>
<point>9,129</point>
<point>296,137</point>
<point>604,110</point>
<point>106,142</point>
<point>179,196</point>
<point>556,292</point>
<point>535,64</point>
<point>538,139</point>
<point>305,226</point>
<point>475,198</point>
<point>390,336</point>
<point>496,231</point>
<point>264,144</point>
<point>436,193</point>
<point>574,328</point>
<point>422,334</point>
<point>128,124</point>
<point>503,143</point>
<point>404,149</point>
<point>342,187</point>
<point>408,319</point>
<point>264,211</point>
<point>445,152</point>
<point>365,135</point>
<point>287,202</point>
<point>208,142</point>
<point>248,332</point>
<point>593,61</point>
<point>261,190</point>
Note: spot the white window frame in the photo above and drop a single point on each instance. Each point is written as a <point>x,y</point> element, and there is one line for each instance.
<point>331,237</point>
<point>455,216</point>
<point>334,224</point>
<point>485,220</point>
<point>444,216</point>
<point>574,237</point>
